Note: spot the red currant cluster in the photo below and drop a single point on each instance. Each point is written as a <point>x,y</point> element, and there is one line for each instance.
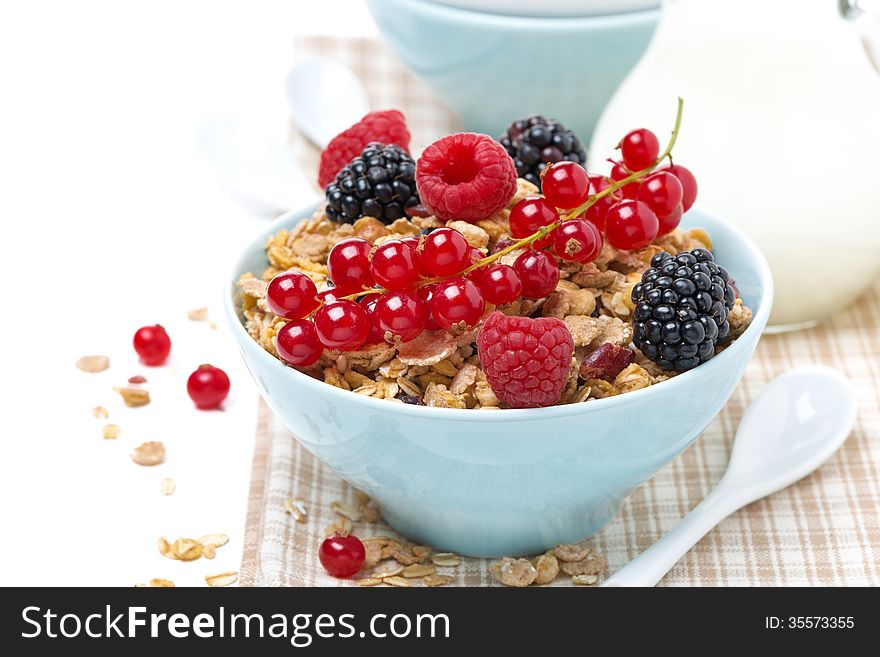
<point>403,287</point>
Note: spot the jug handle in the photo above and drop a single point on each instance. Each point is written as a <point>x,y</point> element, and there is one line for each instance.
<point>866,16</point>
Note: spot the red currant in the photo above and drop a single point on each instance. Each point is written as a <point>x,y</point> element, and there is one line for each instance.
<point>413,242</point>
<point>670,222</point>
<point>207,386</point>
<point>342,556</point>
<point>401,313</point>
<point>445,252</point>
<point>394,265</point>
<point>662,191</point>
<point>376,334</point>
<point>630,225</point>
<point>329,295</point>
<point>529,215</point>
<point>502,244</point>
<point>538,273</point>
<point>578,241</point>
<point>565,184</point>
<point>499,284</point>
<point>152,344</point>
<point>618,173</point>
<point>291,295</point>
<point>342,325</point>
<point>688,184</point>
<point>596,212</point>
<point>349,265</point>
<point>297,343</point>
<point>457,302</point>
<point>426,293</point>
<point>639,148</point>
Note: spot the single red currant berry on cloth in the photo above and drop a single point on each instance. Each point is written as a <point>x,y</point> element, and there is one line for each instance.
<point>349,265</point>
<point>387,127</point>
<point>525,360</point>
<point>291,295</point>
<point>401,313</point>
<point>342,325</point>
<point>445,252</point>
<point>466,176</point>
<point>207,387</point>
<point>152,344</point>
<point>577,241</point>
<point>538,273</point>
<point>297,343</point>
<point>688,183</point>
<point>499,284</point>
<point>618,173</point>
<point>662,191</point>
<point>457,303</point>
<point>565,184</point>
<point>669,222</point>
<point>639,149</point>
<point>530,214</point>
<point>342,556</point>
<point>630,225</point>
<point>394,265</point>
<point>376,334</point>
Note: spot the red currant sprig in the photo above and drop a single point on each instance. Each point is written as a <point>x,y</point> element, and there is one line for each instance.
<point>441,282</point>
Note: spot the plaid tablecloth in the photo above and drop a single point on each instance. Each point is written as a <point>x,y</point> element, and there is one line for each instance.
<point>825,530</point>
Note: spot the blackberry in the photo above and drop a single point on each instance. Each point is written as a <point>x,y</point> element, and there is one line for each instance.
<point>535,142</point>
<point>380,182</point>
<point>681,309</point>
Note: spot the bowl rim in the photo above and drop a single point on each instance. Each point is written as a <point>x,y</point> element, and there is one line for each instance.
<point>722,360</point>
<point>531,23</point>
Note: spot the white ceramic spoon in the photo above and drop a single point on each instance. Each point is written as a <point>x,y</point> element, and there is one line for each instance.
<point>797,422</point>
<point>248,149</point>
<point>324,97</point>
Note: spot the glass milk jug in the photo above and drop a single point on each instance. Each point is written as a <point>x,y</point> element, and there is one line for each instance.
<point>781,127</point>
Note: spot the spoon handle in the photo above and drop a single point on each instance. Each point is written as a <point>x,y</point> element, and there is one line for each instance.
<point>651,565</point>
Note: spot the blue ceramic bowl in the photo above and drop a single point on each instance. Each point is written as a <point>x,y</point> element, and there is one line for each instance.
<point>492,69</point>
<point>506,482</point>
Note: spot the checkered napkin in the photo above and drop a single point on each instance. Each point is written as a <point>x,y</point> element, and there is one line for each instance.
<point>824,530</point>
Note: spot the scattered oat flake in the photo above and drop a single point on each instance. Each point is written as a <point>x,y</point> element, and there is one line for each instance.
<point>110,431</point>
<point>371,514</point>
<point>134,396</point>
<point>418,570</point>
<point>584,580</point>
<point>387,570</point>
<point>209,551</point>
<point>397,581</point>
<point>296,508</point>
<point>198,314</point>
<point>341,526</point>
<point>222,579</point>
<point>369,581</point>
<point>566,552</point>
<point>217,540</point>
<point>361,497</point>
<point>547,568</point>
<point>93,363</point>
<point>100,412</point>
<point>167,486</point>
<point>149,453</point>
<point>346,510</point>
<point>438,580</point>
<point>137,379</point>
<point>513,572</point>
<point>446,560</point>
<point>421,550</point>
<point>158,583</point>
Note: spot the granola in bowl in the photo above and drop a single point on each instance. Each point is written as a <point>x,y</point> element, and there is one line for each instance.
<point>450,282</point>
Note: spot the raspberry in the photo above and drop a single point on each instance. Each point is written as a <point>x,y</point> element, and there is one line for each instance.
<point>387,127</point>
<point>465,176</point>
<point>526,360</point>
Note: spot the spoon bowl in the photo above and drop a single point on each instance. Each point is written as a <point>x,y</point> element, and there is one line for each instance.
<point>797,422</point>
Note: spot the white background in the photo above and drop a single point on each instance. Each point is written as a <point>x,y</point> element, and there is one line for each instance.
<point>110,219</point>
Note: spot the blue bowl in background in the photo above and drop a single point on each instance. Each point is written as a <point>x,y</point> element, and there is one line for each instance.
<point>506,482</point>
<point>492,68</point>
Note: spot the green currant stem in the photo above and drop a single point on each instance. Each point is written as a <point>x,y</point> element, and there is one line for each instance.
<point>571,214</point>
